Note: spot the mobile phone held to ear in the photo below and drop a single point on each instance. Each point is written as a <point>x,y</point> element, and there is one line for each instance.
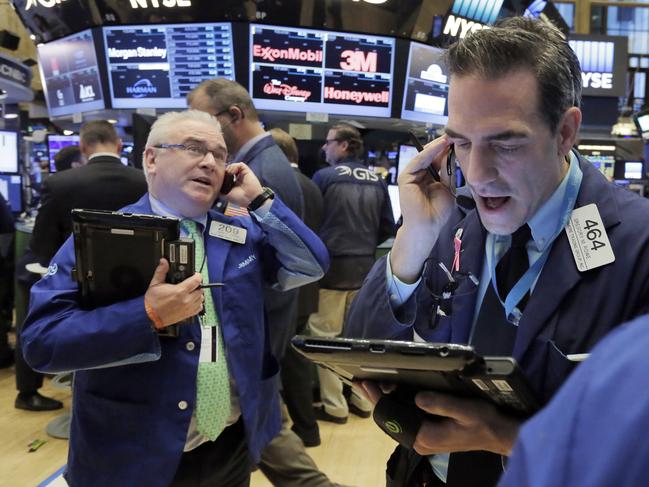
<point>420,148</point>
<point>228,183</point>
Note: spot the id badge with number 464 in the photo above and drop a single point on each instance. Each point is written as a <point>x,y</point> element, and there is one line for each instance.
<point>588,238</point>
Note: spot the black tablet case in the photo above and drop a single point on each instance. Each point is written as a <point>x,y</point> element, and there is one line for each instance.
<point>117,253</point>
<point>448,367</point>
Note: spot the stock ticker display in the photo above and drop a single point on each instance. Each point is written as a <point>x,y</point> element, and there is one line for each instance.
<point>317,71</point>
<point>157,66</point>
<point>70,75</point>
<point>426,87</point>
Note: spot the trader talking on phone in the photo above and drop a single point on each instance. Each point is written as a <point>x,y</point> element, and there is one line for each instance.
<point>198,408</point>
<point>546,260</point>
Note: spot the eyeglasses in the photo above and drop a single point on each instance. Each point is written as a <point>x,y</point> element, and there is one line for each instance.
<point>196,151</point>
<point>329,141</point>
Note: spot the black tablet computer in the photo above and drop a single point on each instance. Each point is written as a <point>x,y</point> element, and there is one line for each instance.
<point>117,253</point>
<point>447,367</point>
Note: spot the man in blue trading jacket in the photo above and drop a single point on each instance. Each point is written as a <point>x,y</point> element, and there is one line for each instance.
<point>141,413</point>
<point>357,218</point>
<point>593,432</point>
<point>581,269</point>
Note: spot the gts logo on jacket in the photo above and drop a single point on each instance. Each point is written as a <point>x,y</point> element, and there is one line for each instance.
<point>359,173</point>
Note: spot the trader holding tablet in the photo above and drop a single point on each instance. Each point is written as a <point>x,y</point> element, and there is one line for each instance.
<point>198,408</point>
<point>550,259</point>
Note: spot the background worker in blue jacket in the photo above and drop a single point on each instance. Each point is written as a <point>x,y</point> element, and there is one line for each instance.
<point>196,409</point>
<point>552,257</point>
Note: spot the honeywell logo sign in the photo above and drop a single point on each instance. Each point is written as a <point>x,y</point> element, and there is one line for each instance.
<point>270,54</point>
<point>356,96</point>
<point>43,3</point>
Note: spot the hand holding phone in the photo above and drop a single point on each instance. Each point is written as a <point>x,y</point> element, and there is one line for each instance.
<point>420,148</point>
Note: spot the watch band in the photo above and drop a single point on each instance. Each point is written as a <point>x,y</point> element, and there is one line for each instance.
<point>266,194</point>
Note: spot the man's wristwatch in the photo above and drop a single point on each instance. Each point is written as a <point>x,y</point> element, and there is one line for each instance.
<point>266,194</point>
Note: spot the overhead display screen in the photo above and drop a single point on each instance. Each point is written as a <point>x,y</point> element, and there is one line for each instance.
<point>603,61</point>
<point>8,151</point>
<point>156,66</point>
<point>426,86</point>
<point>308,70</point>
<point>70,75</point>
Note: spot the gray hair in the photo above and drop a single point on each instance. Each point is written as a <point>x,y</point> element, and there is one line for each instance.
<point>523,43</point>
<point>168,124</point>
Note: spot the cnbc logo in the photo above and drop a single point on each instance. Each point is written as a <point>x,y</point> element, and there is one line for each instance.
<point>596,59</point>
<point>471,15</point>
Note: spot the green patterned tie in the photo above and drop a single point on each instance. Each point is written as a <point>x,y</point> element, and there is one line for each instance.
<point>213,385</point>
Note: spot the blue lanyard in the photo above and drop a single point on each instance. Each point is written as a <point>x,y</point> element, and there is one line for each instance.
<point>525,283</point>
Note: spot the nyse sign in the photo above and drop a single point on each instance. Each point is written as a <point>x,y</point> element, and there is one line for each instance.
<point>597,80</point>
<point>458,26</point>
<point>159,3</point>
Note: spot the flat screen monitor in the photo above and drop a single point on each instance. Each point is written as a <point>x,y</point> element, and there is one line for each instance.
<point>641,120</point>
<point>406,153</point>
<point>603,61</point>
<point>11,190</point>
<point>156,66</point>
<point>604,163</point>
<point>57,142</point>
<point>306,70</point>
<point>426,86</point>
<point>127,153</point>
<point>70,75</point>
<point>8,151</point>
<point>393,191</point>
<point>633,170</point>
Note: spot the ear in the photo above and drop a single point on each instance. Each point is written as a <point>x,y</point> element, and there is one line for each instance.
<point>236,113</point>
<point>568,130</point>
<point>148,161</point>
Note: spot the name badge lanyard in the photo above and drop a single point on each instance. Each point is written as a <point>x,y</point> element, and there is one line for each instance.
<point>525,283</point>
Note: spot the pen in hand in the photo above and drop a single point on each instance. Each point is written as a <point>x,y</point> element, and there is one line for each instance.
<point>211,284</point>
<point>420,148</point>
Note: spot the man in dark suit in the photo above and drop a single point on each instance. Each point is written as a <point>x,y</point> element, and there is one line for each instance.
<point>104,183</point>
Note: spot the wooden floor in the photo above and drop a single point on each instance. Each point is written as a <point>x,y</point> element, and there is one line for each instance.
<point>353,454</point>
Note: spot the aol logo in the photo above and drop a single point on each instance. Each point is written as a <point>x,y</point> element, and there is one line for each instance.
<point>359,173</point>
<point>43,3</point>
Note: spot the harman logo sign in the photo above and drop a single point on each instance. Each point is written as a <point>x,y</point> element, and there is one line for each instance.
<point>471,15</point>
<point>142,88</point>
<point>597,61</point>
<point>43,3</point>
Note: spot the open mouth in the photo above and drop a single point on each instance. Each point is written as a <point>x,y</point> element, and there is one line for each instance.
<point>495,202</point>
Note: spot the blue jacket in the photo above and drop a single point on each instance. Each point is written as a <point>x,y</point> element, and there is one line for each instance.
<point>568,312</point>
<point>593,432</point>
<point>130,420</point>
